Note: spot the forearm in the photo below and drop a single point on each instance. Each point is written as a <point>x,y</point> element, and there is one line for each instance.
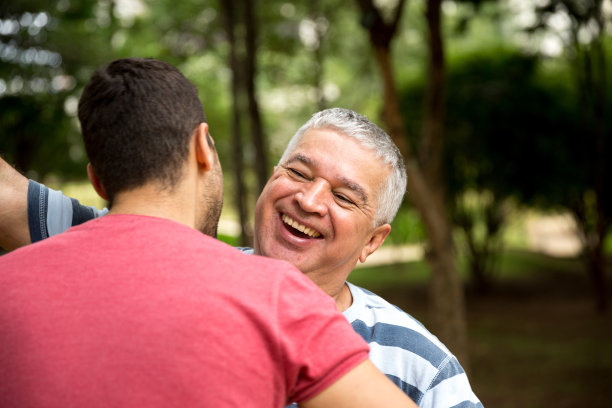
<point>14,230</point>
<point>364,386</point>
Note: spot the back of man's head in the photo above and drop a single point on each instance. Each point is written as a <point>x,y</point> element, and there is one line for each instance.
<point>137,116</point>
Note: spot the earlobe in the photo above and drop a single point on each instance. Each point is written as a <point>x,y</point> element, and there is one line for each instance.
<point>376,240</point>
<point>95,182</point>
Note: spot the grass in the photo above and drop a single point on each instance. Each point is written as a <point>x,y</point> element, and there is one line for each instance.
<point>535,340</point>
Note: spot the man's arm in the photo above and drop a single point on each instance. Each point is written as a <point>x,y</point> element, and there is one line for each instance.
<point>30,212</point>
<point>14,230</point>
<point>363,386</point>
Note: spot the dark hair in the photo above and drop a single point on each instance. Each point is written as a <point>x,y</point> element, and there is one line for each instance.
<point>137,117</point>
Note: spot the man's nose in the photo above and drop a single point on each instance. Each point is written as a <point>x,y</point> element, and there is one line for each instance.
<point>314,197</point>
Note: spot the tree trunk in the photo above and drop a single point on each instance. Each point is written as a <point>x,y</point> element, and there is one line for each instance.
<point>597,271</point>
<point>392,114</point>
<point>236,64</point>
<point>257,133</point>
<point>315,14</point>
<point>599,88</point>
<point>593,251</point>
<point>592,80</point>
<point>447,296</point>
<point>425,184</point>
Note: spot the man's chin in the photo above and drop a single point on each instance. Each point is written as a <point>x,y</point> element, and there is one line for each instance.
<point>295,258</point>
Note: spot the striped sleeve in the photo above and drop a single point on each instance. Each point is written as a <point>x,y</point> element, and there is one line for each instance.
<point>50,212</point>
<point>451,388</point>
<point>37,211</point>
<point>408,354</point>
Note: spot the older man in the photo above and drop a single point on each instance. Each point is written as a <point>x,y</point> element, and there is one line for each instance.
<point>139,308</point>
<point>328,205</point>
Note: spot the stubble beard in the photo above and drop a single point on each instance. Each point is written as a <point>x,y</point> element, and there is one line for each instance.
<point>209,222</point>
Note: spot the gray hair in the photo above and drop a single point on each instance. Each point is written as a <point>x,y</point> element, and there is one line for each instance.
<point>370,136</point>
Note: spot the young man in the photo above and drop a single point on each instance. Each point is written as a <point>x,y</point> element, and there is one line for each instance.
<point>139,308</point>
<point>328,205</point>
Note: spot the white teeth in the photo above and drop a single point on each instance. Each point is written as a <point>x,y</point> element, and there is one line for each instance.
<point>302,228</point>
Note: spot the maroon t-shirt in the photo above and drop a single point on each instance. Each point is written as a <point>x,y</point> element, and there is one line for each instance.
<point>133,311</point>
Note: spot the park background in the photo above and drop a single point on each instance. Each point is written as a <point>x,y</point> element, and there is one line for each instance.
<point>500,107</point>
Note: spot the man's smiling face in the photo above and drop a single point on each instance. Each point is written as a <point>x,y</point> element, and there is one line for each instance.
<point>318,207</point>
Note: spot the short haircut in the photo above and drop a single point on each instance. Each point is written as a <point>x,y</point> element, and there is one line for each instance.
<point>137,117</point>
<point>370,136</point>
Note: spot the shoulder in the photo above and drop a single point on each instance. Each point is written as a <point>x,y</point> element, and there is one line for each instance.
<point>371,309</point>
<point>409,354</point>
<point>377,320</point>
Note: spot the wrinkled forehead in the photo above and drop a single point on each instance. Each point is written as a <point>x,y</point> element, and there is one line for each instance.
<point>327,136</point>
<point>336,156</point>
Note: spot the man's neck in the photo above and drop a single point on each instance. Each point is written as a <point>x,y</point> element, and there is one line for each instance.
<point>344,299</point>
<point>339,292</point>
<point>151,200</point>
<point>336,288</point>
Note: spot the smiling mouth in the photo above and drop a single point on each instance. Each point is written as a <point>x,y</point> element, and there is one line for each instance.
<point>299,229</point>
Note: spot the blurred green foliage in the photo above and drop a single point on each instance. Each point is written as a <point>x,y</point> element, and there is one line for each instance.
<point>48,51</point>
<point>516,134</point>
<point>514,126</point>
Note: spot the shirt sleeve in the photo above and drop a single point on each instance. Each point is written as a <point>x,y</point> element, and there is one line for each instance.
<point>319,344</point>
<point>50,212</point>
<point>451,388</point>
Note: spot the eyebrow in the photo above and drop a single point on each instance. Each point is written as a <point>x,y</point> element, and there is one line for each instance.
<point>350,184</point>
<point>301,158</point>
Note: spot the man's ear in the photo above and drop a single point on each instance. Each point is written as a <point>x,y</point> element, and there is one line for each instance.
<point>376,240</point>
<point>95,182</point>
<point>204,147</point>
